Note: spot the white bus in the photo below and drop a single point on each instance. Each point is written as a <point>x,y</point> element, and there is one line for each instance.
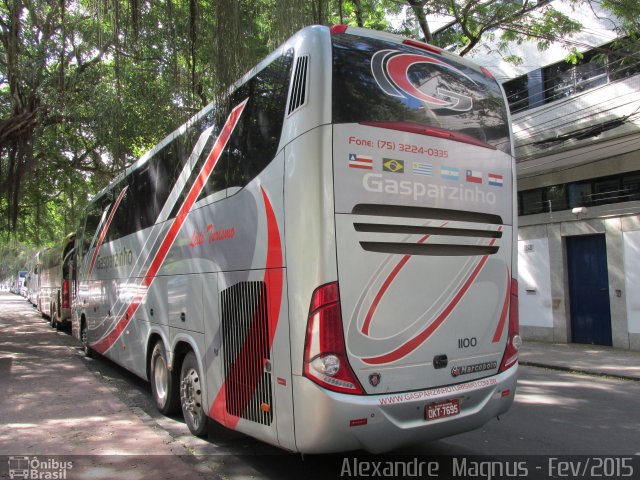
<point>55,282</point>
<point>33,279</point>
<point>19,285</point>
<point>327,263</point>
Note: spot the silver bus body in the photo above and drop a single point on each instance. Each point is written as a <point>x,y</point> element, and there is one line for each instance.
<point>33,279</point>
<point>354,289</point>
<point>55,282</point>
<point>19,286</point>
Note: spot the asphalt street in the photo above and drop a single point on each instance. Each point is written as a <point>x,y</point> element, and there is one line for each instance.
<point>555,413</point>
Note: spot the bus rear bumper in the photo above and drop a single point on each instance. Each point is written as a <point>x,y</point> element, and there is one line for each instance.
<point>327,422</point>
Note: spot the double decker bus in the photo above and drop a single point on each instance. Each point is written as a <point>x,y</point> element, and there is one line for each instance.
<point>325,261</point>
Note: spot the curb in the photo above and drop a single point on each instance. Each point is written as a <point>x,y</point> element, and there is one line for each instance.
<point>594,373</point>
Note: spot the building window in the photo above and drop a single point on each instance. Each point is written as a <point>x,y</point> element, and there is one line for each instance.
<point>587,193</point>
<point>580,194</point>
<point>556,197</point>
<point>517,91</point>
<point>631,187</point>
<point>607,190</point>
<point>558,81</point>
<point>531,202</point>
<point>562,79</point>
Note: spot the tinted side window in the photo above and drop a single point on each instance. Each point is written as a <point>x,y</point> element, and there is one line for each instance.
<point>255,142</point>
<point>217,179</point>
<point>92,221</point>
<point>123,217</point>
<point>142,192</point>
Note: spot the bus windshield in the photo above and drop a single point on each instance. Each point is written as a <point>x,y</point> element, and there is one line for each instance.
<point>375,81</point>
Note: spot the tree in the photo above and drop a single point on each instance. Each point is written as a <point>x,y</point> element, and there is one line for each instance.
<point>471,21</point>
<point>87,86</point>
<point>627,13</point>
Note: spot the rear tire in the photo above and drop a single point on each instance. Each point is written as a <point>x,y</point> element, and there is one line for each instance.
<point>85,342</point>
<point>191,396</point>
<point>164,387</point>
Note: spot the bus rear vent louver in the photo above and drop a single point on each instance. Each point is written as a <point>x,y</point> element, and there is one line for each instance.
<point>299,88</point>
<point>246,352</point>
<point>444,233</point>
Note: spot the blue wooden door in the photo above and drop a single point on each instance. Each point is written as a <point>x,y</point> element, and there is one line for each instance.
<point>589,290</point>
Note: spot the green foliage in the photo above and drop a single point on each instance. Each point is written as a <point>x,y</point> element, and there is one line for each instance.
<point>15,257</point>
<point>628,27</point>
<point>520,21</point>
<point>87,86</point>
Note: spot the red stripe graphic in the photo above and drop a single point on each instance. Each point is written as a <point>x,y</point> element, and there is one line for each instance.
<point>273,278</point>
<point>415,342</point>
<point>505,309</point>
<point>386,284</point>
<point>105,228</point>
<point>106,342</point>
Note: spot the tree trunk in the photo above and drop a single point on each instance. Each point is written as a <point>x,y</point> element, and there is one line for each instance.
<point>357,6</point>
<point>417,6</point>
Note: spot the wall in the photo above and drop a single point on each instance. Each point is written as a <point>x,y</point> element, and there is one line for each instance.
<point>544,268</point>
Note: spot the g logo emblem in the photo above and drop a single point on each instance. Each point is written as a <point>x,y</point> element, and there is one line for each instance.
<point>390,68</point>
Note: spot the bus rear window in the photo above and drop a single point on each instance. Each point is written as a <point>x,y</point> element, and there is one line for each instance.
<point>379,81</point>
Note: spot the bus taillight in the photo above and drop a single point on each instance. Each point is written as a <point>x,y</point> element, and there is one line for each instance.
<point>338,29</point>
<point>325,358</point>
<point>514,341</point>
<point>65,294</point>
<point>423,46</point>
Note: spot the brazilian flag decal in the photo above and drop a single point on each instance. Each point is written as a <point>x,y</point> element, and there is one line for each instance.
<point>391,165</point>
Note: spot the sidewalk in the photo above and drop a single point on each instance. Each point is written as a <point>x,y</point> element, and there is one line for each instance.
<point>590,359</point>
<point>40,415</point>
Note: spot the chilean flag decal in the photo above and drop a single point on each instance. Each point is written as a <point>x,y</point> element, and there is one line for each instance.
<point>155,263</point>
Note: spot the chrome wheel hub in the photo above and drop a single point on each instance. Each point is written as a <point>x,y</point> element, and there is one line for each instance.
<point>191,396</point>
<point>160,377</point>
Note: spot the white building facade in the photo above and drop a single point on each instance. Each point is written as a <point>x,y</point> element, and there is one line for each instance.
<point>577,138</point>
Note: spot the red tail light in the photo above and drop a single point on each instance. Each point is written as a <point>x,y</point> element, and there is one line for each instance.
<point>488,74</point>
<point>337,29</point>
<point>423,46</point>
<point>514,341</point>
<point>325,358</point>
<point>65,294</point>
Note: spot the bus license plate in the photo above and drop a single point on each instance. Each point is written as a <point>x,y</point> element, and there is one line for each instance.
<point>448,408</point>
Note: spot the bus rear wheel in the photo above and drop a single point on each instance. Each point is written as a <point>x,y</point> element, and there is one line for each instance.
<point>163,385</point>
<point>191,396</point>
<point>85,342</point>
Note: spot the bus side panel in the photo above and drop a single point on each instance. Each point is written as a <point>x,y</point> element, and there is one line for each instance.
<point>243,392</point>
<point>130,349</point>
<point>212,367</point>
<point>247,357</point>
<point>310,233</point>
<point>157,302</point>
<point>186,315</point>
<point>185,309</point>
